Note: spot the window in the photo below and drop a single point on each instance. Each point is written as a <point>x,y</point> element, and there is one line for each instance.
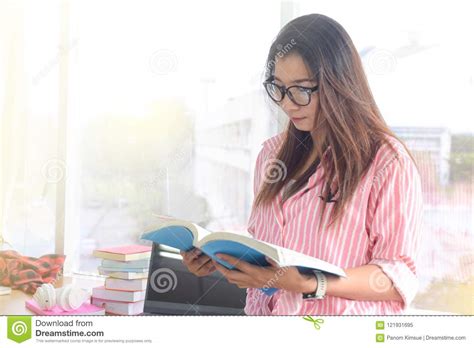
<point>107,124</point>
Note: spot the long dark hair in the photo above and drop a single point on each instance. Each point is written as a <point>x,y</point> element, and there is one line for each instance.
<point>348,119</point>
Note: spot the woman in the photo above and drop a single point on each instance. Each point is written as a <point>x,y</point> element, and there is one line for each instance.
<point>346,191</point>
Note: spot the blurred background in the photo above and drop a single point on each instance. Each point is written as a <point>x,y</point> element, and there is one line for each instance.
<point>114,112</point>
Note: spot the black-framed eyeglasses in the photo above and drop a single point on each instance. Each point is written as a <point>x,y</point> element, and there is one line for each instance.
<point>300,95</point>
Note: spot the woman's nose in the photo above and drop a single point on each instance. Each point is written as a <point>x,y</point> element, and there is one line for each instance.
<point>288,105</point>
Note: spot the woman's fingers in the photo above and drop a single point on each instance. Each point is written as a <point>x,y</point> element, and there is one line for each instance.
<point>190,255</point>
<point>272,262</point>
<point>197,262</point>
<point>205,269</point>
<point>201,261</point>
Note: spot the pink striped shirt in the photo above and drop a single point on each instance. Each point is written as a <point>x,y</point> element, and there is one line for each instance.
<point>380,225</point>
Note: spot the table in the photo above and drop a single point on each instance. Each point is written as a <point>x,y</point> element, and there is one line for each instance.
<point>14,303</point>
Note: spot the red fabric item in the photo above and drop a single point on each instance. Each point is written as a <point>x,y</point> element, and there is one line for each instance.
<point>28,273</point>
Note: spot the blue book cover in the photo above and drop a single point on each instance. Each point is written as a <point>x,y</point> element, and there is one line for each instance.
<point>135,264</point>
<point>184,235</point>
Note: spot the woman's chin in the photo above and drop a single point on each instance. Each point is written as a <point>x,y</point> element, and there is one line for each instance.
<point>301,127</point>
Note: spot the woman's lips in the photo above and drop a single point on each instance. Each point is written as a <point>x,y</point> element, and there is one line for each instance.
<point>297,119</point>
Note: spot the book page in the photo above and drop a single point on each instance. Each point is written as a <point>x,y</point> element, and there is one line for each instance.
<point>264,248</point>
<point>201,232</point>
<point>290,257</point>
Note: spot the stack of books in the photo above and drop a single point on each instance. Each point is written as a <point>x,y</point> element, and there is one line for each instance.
<point>126,268</point>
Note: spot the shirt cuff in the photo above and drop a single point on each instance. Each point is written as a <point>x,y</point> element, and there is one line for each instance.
<point>402,277</point>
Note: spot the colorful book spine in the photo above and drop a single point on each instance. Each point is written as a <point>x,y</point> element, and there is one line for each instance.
<point>126,268</point>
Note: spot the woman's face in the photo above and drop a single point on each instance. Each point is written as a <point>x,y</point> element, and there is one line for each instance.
<point>289,71</point>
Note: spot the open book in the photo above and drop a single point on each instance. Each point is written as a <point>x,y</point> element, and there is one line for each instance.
<point>184,235</point>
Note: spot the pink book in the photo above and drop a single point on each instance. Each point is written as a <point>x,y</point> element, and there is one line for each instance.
<point>124,253</point>
<point>119,308</point>
<point>118,295</point>
<point>85,309</point>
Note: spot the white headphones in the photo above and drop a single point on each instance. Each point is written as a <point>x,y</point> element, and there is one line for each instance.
<point>67,298</point>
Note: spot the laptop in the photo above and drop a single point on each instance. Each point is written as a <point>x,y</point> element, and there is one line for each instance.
<point>172,289</point>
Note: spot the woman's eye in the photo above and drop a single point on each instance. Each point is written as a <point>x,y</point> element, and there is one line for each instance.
<point>303,89</point>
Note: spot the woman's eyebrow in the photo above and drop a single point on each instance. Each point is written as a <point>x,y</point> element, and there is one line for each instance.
<point>296,81</point>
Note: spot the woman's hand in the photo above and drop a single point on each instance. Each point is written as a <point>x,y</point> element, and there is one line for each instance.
<point>197,263</point>
<point>247,275</point>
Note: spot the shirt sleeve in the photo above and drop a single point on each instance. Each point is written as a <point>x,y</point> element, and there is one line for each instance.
<point>256,187</point>
<point>394,225</point>
<point>259,162</point>
<point>251,303</point>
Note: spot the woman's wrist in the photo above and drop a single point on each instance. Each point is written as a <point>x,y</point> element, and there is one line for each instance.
<point>309,283</point>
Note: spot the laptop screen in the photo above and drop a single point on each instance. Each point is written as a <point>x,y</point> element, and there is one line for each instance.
<point>172,289</point>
